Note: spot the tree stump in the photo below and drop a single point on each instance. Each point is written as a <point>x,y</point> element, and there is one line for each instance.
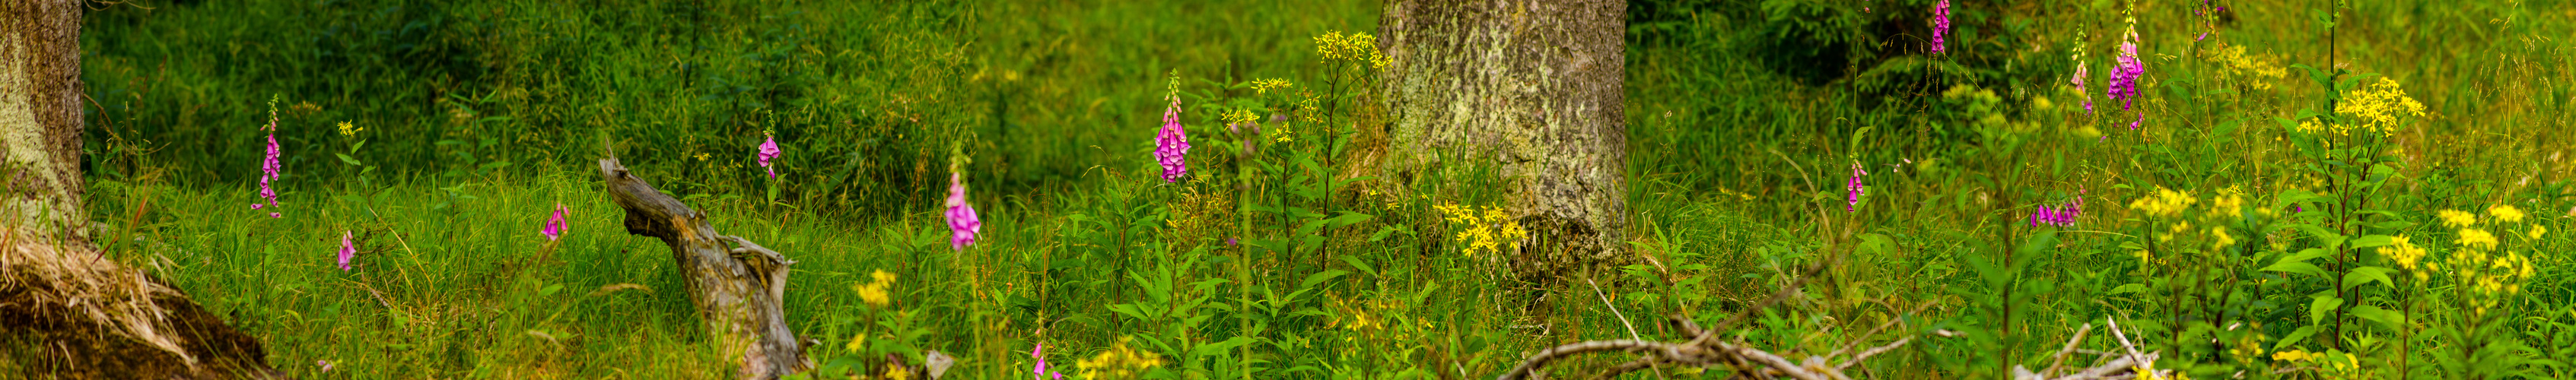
<point>739,291</point>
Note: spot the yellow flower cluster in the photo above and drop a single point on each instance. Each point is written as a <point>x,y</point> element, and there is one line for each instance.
<point>2252,68</point>
<point>2407,255</point>
<point>2376,106</point>
<point>2505,213</point>
<point>1263,86</point>
<point>2456,218</point>
<point>1239,116</point>
<point>1119,362</point>
<point>350,130</point>
<point>2477,238</point>
<point>2166,203</point>
<point>874,293</point>
<point>1357,47</point>
<point>2229,203</point>
<point>2492,276</point>
<point>1486,231</point>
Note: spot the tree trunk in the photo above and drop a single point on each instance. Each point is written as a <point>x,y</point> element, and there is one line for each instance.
<point>739,292</point>
<point>65,309</point>
<point>1530,87</point>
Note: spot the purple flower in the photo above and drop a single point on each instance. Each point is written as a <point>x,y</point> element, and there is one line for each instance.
<point>769,150</point>
<point>2060,215</point>
<point>326,365</point>
<point>2078,80</point>
<point>1940,24</point>
<point>269,168</point>
<point>1856,189</point>
<point>961,216</point>
<point>555,226</point>
<point>1040,371</point>
<point>1172,145</point>
<point>2124,77</point>
<point>347,250</point>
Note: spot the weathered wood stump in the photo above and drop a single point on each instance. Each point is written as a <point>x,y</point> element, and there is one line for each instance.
<point>738,291</point>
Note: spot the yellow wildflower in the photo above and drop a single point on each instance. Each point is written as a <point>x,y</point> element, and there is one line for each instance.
<point>874,293</point>
<point>1118,362</point>
<point>1239,116</point>
<point>2251,68</point>
<point>2166,203</point>
<point>1263,86</point>
<point>2220,234</point>
<point>1486,231</point>
<point>348,130</point>
<point>1357,47</point>
<point>2505,213</point>
<point>2536,231</point>
<point>2404,252</point>
<point>2457,218</point>
<point>858,342</point>
<point>2230,205</point>
<point>2477,238</point>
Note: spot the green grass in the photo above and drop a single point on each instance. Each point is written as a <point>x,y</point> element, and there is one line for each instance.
<point>1737,158</point>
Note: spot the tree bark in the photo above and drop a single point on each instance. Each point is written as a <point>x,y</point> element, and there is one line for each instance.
<point>739,292</point>
<point>1530,87</point>
<point>65,309</point>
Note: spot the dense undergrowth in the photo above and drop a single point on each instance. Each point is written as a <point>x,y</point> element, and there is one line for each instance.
<point>2375,199</point>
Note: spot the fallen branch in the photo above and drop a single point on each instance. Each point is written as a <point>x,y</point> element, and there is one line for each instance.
<point>738,292</point>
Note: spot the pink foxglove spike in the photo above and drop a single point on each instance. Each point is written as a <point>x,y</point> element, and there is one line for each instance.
<point>348,250</point>
<point>1172,145</point>
<point>769,150</point>
<point>962,222</point>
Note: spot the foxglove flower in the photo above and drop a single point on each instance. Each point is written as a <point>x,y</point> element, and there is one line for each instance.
<point>2124,77</point>
<point>2078,80</point>
<point>769,150</point>
<point>962,223</point>
<point>1172,145</point>
<point>555,226</point>
<point>347,250</point>
<point>1040,371</point>
<point>1940,24</point>
<point>2060,215</point>
<point>269,168</point>
<point>1856,189</point>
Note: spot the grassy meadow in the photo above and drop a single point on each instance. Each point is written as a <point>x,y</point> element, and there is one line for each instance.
<point>2310,190</point>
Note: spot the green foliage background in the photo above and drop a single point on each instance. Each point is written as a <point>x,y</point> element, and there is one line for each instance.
<point>473,118</point>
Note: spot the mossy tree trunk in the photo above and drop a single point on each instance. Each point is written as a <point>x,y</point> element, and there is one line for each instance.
<point>67,310</point>
<point>1531,88</point>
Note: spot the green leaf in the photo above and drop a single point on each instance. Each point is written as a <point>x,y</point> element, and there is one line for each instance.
<point>344,158</point>
<point>2371,241</point>
<point>2364,275</point>
<point>2390,318</point>
<point>2298,263</point>
<point>2129,288</point>
<point>1319,278</point>
<point>1220,347</point>
<point>2320,306</point>
<point>1363,266</point>
<point>2297,336</point>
